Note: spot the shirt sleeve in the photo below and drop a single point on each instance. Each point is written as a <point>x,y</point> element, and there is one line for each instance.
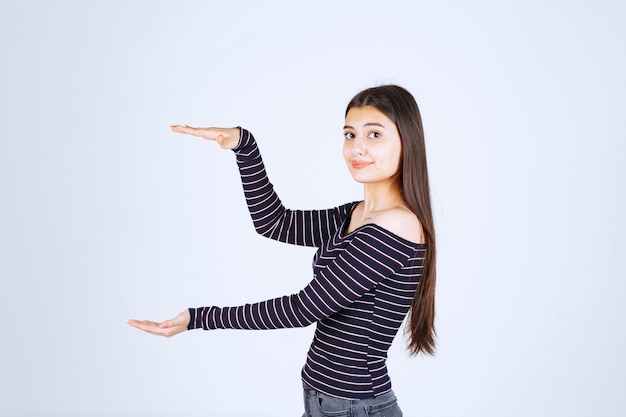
<point>371,256</point>
<point>269,216</point>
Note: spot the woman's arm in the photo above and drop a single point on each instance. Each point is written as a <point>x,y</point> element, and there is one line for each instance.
<point>270,217</point>
<point>372,255</point>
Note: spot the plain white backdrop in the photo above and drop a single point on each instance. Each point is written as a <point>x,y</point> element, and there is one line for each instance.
<point>106,215</point>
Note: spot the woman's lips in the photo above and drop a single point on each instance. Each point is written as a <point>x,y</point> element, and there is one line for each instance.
<point>360,164</point>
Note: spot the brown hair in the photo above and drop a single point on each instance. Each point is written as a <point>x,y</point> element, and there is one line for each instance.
<point>400,106</point>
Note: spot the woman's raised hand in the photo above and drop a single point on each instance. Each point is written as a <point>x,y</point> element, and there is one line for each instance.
<point>227,138</point>
<point>168,328</point>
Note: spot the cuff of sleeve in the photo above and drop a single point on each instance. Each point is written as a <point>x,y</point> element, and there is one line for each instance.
<point>198,318</point>
<point>245,139</point>
<point>192,319</point>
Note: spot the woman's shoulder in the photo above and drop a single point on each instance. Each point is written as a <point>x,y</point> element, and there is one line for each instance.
<point>402,222</point>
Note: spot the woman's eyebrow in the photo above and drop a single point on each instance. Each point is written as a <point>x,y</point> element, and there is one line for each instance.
<point>366,125</point>
<point>374,124</point>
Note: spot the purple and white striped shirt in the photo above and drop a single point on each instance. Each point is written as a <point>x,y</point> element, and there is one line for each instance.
<point>362,288</point>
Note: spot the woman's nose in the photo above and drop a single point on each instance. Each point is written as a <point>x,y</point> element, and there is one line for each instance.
<point>358,147</point>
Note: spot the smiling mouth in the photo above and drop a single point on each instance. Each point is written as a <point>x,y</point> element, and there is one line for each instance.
<point>360,164</point>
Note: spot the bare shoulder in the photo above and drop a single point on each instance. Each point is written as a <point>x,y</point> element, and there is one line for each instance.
<point>402,222</point>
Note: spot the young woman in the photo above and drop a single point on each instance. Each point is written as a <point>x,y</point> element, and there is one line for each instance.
<point>374,264</point>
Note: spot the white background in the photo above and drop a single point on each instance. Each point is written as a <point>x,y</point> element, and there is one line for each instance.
<point>106,215</point>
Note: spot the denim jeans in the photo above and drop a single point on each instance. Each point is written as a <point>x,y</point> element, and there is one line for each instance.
<point>317,404</point>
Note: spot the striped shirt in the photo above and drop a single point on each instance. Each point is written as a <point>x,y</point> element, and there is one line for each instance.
<point>362,287</point>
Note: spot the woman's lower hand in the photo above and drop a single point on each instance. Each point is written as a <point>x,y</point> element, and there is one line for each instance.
<point>227,138</point>
<point>168,328</point>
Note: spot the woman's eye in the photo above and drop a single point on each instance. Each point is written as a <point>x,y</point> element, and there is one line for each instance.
<point>373,135</point>
<point>348,135</point>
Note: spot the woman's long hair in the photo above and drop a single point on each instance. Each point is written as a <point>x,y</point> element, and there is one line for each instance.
<point>399,105</point>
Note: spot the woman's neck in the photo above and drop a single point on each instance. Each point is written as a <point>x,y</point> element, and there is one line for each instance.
<point>379,197</point>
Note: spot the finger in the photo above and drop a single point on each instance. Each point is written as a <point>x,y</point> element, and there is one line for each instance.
<point>145,325</point>
<point>136,323</point>
<point>208,133</point>
<point>184,129</point>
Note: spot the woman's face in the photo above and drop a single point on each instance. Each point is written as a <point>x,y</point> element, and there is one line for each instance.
<point>372,146</point>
